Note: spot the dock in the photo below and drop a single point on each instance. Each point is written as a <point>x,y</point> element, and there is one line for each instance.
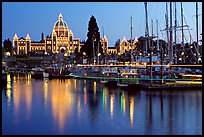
<point>172,85</point>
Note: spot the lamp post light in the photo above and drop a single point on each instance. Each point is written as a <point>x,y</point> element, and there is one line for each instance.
<point>84,58</point>
<point>175,58</point>
<point>99,54</point>
<point>199,59</point>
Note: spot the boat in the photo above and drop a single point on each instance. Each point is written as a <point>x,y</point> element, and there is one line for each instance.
<point>57,72</point>
<point>45,75</point>
<point>129,78</point>
<point>109,76</point>
<point>189,79</point>
<point>37,73</point>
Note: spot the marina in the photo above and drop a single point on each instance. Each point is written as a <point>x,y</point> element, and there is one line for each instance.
<point>119,76</point>
<point>131,68</point>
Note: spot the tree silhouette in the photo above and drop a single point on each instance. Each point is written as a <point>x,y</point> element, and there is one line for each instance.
<point>93,37</point>
<point>8,45</point>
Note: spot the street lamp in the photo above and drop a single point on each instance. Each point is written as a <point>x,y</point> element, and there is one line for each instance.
<point>99,54</point>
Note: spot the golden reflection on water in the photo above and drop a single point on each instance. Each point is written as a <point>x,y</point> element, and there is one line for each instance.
<point>45,89</point>
<point>123,103</point>
<point>61,101</point>
<point>112,98</point>
<point>28,95</point>
<point>22,95</point>
<point>14,79</point>
<point>75,84</point>
<point>94,87</point>
<point>132,106</point>
<point>8,88</point>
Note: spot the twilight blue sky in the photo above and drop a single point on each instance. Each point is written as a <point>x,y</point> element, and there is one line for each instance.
<point>114,17</point>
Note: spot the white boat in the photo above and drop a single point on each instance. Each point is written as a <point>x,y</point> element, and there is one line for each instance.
<point>188,82</point>
<point>104,81</point>
<point>122,85</point>
<point>45,75</point>
<point>190,79</point>
<point>128,79</point>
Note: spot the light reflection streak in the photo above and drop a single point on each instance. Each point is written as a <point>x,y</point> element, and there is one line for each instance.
<point>106,97</point>
<point>16,98</point>
<point>121,103</point>
<point>29,76</point>
<point>131,111</point>
<point>103,97</point>
<point>28,96</point>
<point>85,96</point>
<point>22,95</point>
<point>111,104</point>
<point>94,87</point>
<point>8,88</point>
<point>45,88</point>
<point>75,84</point>
<point>61,102</point>
<point>124,103</point>
<point>14,79</point>
<point>78,106</point>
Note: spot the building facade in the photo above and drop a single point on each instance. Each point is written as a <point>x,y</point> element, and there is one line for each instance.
<point>61,38</point>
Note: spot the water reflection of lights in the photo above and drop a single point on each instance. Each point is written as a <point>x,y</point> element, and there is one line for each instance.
<point>22,95</point>
<point>94,87</point>
<point>131,110</point>
<point>123,103</point>
<point>75,83</point>
<point>14,79</point>
<point>28,96</point>
<point>111,104</point>
<point>85,96</point>
<point>61,102</point>
<point>104,97</point>
<point>79,106</point>
<point>45,87</point>
<point>8,88</point>
<point>29,76</point>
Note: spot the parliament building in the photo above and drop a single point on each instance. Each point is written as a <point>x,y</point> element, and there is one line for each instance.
<point>61,38</point>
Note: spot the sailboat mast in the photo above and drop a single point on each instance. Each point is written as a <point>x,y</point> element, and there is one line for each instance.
<point>157,36</point>
<point>175,35</point>
<point>147,38</point>
<point>170,44</point>
<point>146,31</point>
<point>167,28</point>
<point>197,29</point>
<point>182,32</point>
<point>131,39</point>
<point>152,34</point>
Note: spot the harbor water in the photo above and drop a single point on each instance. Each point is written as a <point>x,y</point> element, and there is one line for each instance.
<point>80,106</point>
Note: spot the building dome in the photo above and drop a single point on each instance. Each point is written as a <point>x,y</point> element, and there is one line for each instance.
<point>60,27</point>
<point>60,22</point>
